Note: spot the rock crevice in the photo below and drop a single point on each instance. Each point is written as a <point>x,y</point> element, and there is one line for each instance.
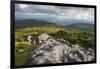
<point>53,51</point>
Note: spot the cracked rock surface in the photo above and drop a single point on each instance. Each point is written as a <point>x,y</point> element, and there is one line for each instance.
<point>53,51</point>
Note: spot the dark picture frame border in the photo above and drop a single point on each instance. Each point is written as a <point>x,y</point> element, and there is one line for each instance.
<point>12,32</point>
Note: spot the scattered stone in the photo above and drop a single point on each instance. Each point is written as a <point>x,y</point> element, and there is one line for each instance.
<point>20,50</point>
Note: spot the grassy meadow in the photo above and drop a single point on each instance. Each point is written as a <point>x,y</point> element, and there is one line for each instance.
<point>82,38</point>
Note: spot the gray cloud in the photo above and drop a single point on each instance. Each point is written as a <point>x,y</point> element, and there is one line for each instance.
<point>57,14</point>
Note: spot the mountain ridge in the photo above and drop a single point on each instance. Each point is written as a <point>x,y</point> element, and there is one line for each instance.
<point>82,27</point>
<point>33,22</point>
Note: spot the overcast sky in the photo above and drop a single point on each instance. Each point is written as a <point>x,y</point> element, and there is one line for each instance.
<point>55,14</point>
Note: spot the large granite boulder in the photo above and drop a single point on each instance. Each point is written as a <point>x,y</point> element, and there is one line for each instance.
<point>53,51</point>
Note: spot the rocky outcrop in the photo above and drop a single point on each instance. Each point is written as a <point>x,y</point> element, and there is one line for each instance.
<point>53,51</point>
<point>43,38</point>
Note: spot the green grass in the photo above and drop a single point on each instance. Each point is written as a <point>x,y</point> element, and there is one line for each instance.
<point>22,58</point>
<point>71,35</point>
<point>22,43</point>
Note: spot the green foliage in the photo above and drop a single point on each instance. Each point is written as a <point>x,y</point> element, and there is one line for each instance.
<point>60,34</point>
<point>22,58</point>
<point>84,39</point>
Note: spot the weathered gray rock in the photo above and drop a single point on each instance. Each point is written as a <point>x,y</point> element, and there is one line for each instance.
<point>43,37</point>
<point>53,51</point>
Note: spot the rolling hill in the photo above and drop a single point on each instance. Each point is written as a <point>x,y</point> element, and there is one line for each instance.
<point>76,26</point>
<point>33,22</point>
<point>81,27</point>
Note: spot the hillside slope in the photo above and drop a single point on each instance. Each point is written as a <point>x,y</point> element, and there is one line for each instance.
<point>82,27</point>
<point>33,22</point>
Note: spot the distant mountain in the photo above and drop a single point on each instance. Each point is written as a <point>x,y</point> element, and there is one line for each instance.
<point>29,22</point>
<point>82,27</point>
<point>33,22</point>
